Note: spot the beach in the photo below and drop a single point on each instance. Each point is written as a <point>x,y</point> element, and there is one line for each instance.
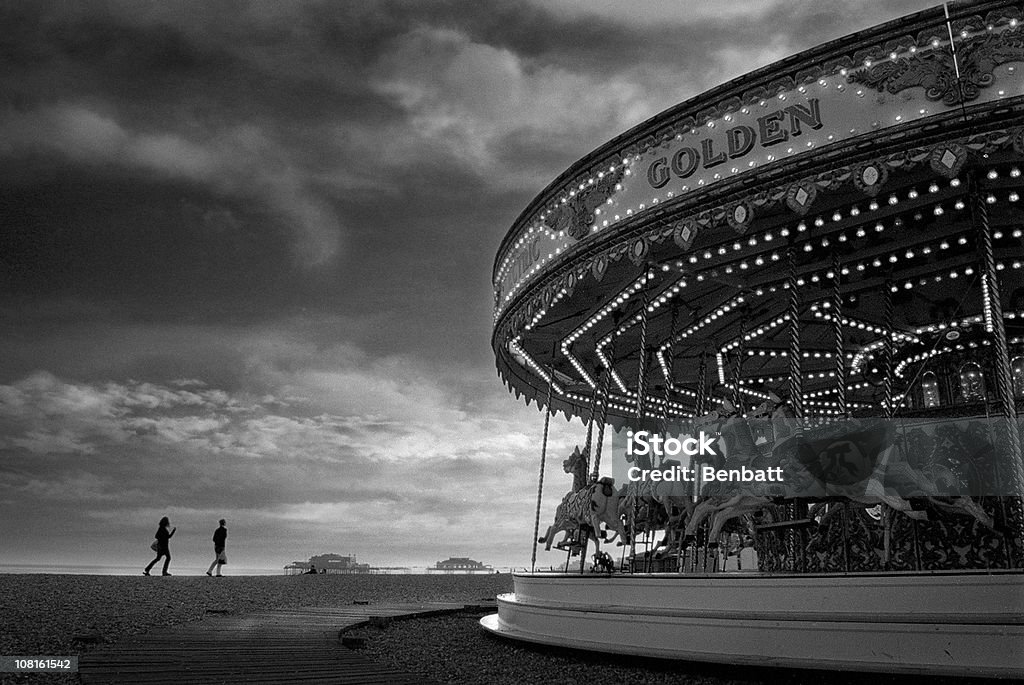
<point>453,649</point>
<point>65,615</point>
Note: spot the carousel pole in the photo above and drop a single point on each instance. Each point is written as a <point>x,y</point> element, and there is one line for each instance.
<point>888,399</point>
<point>700,408</point>
<point>737,396</point>
<point>995,325</point>
<point>702,384</point>
<point>590,430</point>
<point>888,349</point>
<point>796,401</point>
<point>540,480</point>
<point>838,335</point>
<point>795,375</point>
<point>668,369</point>
<point>840,350</point>
<point>586,457</point>
<point>641,396</point>
<point>670,373</point>
<point>606,383</point>
<point>737,371</point>
<point>641,385</point>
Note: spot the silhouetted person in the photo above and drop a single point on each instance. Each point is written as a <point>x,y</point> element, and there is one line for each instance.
<point>220,557</point>
<point>163,548</point>
<point>312,570</point>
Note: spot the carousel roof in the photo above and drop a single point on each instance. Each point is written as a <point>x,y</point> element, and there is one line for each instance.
<point>848,179</point>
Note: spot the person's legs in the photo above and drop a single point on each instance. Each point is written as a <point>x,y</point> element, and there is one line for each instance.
<point>213,563</point>
<point>219,564</point>
<point>146,571</point>
<point>167,561</point>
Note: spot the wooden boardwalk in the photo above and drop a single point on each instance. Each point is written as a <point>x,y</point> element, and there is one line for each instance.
<point>274,646</point>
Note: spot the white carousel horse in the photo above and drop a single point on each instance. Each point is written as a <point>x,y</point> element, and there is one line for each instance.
<point>576,464</point>
<point>589,505</point>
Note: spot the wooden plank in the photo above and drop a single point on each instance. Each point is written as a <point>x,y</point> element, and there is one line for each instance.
<point>278,646</point>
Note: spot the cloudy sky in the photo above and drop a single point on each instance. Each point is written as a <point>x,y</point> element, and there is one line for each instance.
<point>245,253</point>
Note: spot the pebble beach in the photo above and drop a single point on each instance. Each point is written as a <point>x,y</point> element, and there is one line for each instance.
<point>63,615</point>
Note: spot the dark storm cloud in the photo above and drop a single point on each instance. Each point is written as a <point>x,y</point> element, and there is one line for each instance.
<point>247,250</point>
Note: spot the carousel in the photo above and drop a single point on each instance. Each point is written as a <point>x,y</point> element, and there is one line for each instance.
<point>818,265</point>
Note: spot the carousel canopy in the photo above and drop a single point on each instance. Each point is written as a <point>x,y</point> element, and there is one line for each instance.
<point>811,229</point>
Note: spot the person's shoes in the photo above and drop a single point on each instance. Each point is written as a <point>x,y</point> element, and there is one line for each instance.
<point>165,573</point>
<point>145,573</point>
<point>219,575</point>
<point>208,573</point>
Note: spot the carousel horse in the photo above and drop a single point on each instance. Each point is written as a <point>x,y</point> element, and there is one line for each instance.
<point>637,508</point>
<point>575,464</point>
<point>907,490</point>
<point>787,431</point>
<point>739,447</point>
<point>953,500</point>
<point>675,497</point>
<point>933,485</point>
<point>654,503</point>
<point>586,506</point>
<point>664,498</point>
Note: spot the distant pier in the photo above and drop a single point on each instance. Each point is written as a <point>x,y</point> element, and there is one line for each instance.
<point>460,565</point>
<point>339,564</point>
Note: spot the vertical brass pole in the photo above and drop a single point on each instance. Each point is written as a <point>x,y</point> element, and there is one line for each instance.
<point>606,385</point>
<point>794,550</point>
<point>641,392</point>
<point>540,480</point>
<point>838,334</point>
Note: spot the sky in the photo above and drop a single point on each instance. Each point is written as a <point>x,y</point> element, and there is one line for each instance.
<point>245,259</point>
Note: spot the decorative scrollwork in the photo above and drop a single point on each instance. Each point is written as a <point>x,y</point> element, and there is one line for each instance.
<point>936,71</point>
<point>577,215</point>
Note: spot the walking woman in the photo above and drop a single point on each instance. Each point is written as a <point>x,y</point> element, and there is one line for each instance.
<point>163,548</point>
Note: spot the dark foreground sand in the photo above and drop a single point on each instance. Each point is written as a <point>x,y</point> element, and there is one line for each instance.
<point>454,649</point>
<point>60,615</point>
<point>63,615</point>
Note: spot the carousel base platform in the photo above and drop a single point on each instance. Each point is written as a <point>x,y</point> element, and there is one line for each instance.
<point>950,623</point>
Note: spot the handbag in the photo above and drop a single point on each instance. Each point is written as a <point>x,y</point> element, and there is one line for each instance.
<point>154,546</point>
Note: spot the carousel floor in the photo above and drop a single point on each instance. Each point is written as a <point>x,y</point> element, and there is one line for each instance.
<point>952,623</point>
